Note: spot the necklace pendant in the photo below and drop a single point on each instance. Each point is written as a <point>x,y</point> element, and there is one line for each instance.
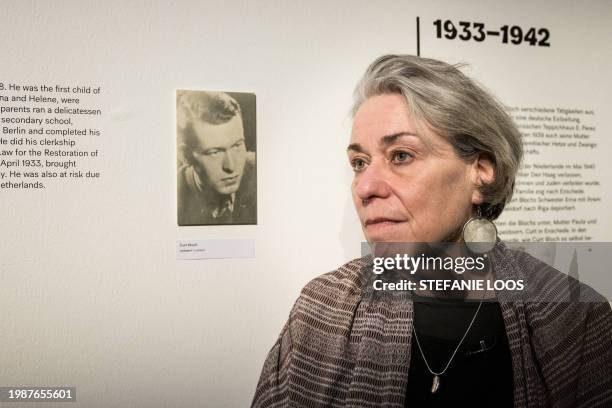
<point>435,384</point>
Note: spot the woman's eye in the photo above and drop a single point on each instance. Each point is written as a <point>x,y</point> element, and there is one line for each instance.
<point>358,164</point>
<point>400,157</point>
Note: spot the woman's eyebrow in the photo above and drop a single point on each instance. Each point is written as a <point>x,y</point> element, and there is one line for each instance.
<point>385,141</point>
<point>355,147</point>
<point>390,139</point>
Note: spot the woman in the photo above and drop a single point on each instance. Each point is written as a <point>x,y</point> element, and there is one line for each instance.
<point>432,155</point>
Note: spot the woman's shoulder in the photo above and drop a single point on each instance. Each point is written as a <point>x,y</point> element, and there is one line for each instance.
<point>349,275</point>
<point>334,292</point>
<point>559,305</point>
<point>545,283</point>
<point>570,330</point>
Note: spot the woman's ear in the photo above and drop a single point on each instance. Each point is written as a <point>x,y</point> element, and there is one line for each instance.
<point>483,172</point>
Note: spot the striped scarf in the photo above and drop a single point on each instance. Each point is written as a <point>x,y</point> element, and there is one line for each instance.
<point>347,346</point>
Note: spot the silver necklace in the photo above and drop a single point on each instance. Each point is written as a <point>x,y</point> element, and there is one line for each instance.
<point>436,379</point>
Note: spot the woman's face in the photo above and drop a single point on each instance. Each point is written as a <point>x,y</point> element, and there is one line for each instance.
<point>409,185</point>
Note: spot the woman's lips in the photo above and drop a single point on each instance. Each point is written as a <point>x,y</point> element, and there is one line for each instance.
<point>381,221</point>
<point>377,226</point>
<point>382,229</point>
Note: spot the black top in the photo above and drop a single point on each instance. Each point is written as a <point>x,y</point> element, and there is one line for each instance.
<point>480,374</point>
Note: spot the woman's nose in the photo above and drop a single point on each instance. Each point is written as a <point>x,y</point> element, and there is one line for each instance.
<point>372,182</point>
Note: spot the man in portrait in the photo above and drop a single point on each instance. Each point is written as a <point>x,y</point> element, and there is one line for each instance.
<point>216,179</point>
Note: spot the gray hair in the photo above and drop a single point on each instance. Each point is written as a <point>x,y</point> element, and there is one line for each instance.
<point>456,108</point>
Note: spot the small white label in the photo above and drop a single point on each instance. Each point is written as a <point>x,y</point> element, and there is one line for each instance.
<point>215,248</point>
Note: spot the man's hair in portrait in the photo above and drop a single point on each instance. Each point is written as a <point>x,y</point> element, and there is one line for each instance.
<point>215,108</point>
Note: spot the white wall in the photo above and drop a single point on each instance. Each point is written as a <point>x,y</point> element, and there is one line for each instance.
<point>91,294</point>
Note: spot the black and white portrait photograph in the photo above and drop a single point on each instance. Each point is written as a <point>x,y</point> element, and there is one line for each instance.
<point>216,145</point>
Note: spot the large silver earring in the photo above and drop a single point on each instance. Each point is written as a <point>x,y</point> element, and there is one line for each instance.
<point>479,234</point>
